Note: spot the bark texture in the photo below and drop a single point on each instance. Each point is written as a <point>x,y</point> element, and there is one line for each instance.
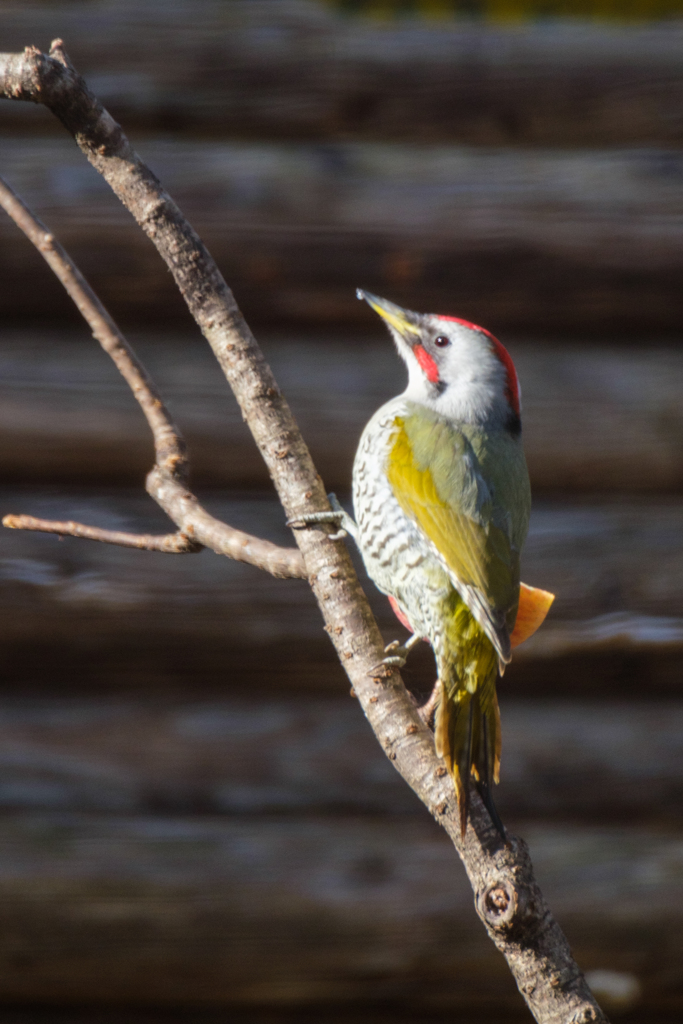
<point>507,897</point>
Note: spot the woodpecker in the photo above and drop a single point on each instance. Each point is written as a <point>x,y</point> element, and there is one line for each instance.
<point>441,500</point>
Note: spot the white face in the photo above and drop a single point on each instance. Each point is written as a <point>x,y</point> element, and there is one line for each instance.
<point>460,372</point>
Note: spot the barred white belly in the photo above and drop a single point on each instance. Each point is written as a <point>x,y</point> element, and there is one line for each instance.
<point>397,556</point>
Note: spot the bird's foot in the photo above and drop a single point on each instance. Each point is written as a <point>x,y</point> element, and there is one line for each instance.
<point>397,653</point>
<point>426,710</point>
<point>336,515</point>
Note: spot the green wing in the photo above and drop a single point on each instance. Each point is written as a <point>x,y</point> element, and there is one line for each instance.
<point>467,503</point>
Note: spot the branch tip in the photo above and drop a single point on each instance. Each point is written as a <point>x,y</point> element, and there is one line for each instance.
<point>59,53</point>
<point>171,543</point>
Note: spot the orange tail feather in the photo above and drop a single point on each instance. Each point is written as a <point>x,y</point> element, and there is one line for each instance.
<point>534,605</point>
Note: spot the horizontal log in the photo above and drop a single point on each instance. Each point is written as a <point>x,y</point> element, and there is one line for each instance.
<point>603,418</point>
<point>305,70</point>
<point>87,613</point>
<point>181,911</point>
<point>543,241</point>
<point>187,752</point>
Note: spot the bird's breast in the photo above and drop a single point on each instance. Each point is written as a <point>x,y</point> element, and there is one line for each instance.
<point>395,552</point>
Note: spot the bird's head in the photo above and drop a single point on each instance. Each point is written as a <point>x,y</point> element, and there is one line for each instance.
<point>454,367</point>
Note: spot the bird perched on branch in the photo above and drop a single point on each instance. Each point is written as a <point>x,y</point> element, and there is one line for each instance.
<point>441,498</point>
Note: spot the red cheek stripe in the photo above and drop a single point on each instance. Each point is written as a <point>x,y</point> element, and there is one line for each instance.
<point>427,363</point>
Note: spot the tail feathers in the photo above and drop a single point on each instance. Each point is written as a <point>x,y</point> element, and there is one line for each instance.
<point>534,605</point>
<point>467,736</point>
<point>492,760</point>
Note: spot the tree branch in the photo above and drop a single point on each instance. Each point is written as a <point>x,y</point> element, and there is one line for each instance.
<point>171,543</point>
<point>507,897</point>
<point>167,482</point>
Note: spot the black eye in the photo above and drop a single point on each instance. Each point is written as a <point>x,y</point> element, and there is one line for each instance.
<point>442,341</point>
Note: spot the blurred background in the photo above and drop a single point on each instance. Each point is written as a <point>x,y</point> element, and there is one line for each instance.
<point>196,823</point>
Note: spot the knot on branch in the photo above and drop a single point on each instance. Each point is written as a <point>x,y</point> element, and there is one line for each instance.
<point>586,1014</point>
<point>174,461</point>
<point>503,906</point>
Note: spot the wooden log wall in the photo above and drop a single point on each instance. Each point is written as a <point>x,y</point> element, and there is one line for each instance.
<point>586,242</point>
<point>146,696</point>
<point>316,153</point>
<point>299,69</point>
<point>194,816</point>
<point>605,418</point>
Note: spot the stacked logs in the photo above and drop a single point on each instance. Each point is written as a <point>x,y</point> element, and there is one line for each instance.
<point>194,811</point>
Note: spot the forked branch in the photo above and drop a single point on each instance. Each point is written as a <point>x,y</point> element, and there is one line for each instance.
<point>507,897</point>
<point>167,482</point>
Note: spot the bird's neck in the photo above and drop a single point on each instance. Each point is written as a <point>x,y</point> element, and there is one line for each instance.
<point>475,405</point>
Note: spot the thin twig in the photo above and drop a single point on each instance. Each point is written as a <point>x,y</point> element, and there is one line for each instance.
<point>507,897</point>
<point>167,483</point>
<point>169,445</point>
<point>171,543</point>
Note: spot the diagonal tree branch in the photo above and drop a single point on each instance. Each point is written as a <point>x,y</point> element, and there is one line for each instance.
<point>167,482</point>
<point>507,897</point>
